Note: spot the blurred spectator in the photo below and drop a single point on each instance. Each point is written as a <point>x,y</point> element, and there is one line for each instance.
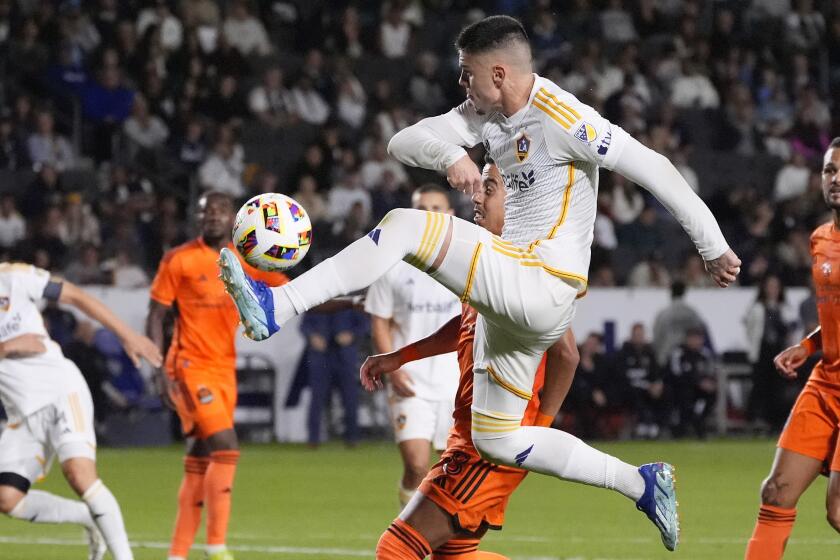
<point>804,27</point>
<point>144,130</point>
<point>425,88</point>
<point>307,194</point>
<point>79,225</point>
<point>617,24</point>
<point>26,53</point>
<point>588,397</point>
<point>672,324</point>
<point>222,171</point>
<point>650,273</point>
<point>693,89</point>
<point>46,236</point>
<point>245,32</point>
<point>314,163</point>
<point>107,104</point>
<point>46,147</point>
<point>377,164</point>
<point>792,178</point>
<point>124,271</point>
<point>77,27</point>
<point>694,274</point>
<point>645,235</point>
<point>644,389</point>
<point>12,224</point>
<point>767,323</point>
<point>158,14</point>
<point>45,191</point>
<point>627,201</point>
<point>351,105</point>
<point>13,154</point>
<point>343,196</point>
<point>192,146</point>
<point>269,101</point>
<point>307,103</point>
<point>85,269</point>
<point>394,33</point>
<point>202,14</point>
<point>349,40</point>
<point>225,104</point>
<point>692,381</point>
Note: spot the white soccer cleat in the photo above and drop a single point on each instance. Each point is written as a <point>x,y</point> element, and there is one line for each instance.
<point>96,544</point>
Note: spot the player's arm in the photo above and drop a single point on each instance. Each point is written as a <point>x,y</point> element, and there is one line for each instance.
<point>22,346</point>
<point>155,321</point>
<point>442,341</point>
<point>790,359</point>
<point>383,344</point>
<point>562,359</point>
<point>438,143</point>
<point>135,344</point>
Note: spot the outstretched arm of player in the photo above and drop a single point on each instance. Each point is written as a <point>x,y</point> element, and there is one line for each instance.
<point>22,346</point>
<point>135,344</point>
<point>155,321</point>
<point>561,362</point>
<point>658,175</point>
<point>790,359</point>
<point>442,341</point>
<point>438,143</point>
<point>380,334</point>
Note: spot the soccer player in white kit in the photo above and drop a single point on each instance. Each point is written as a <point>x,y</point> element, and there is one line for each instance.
<point>50,410</point>
<point>406,305</point>
<point>549,147</point>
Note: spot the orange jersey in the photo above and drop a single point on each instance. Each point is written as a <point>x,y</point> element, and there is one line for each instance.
<point>206,318</point>
<point>460,436</point>
<point>825,269</point>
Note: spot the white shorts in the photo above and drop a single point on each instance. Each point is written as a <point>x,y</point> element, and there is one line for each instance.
<point>63,429</point>
<point>416,418</point>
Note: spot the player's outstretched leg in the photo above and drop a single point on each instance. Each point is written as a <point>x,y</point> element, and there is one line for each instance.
<point>659,502</point>
<point>421,238</point>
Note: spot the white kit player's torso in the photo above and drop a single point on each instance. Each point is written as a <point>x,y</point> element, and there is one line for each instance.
<point>45,396</point>
<point>418,306</point>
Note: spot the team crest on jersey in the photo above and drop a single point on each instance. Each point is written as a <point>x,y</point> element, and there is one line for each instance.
<point>826,269</point>
<point>523,145</point>
<point>586,133</point>
<point>204,395</point>
<point>4,303</point>
<point>400,421</point>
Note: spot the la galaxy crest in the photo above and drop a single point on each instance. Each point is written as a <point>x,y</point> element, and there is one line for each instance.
<point>523,146</point>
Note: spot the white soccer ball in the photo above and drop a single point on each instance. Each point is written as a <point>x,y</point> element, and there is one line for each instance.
<point>272,232</point>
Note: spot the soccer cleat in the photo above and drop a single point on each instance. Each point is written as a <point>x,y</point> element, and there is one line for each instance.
<point>659,501</point>
<point>220,555</point>
<point>253,298</point>
<point>96,544</point>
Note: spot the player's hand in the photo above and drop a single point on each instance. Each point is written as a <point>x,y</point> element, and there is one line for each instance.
<point>724,269</point>
<point>140,347</point>
<point>164,386</point>
<point>402,383</point>
<point>23,346</point>
<point>465,176</point>
<point>789,360</point>
<point>375,367</point>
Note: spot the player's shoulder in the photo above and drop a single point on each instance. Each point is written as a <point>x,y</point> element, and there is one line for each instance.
<point>823,232</point>
<point>562,111</point>
<point>184,250</point>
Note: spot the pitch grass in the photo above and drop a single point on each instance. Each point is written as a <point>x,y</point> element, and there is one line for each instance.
<point>292,502</point>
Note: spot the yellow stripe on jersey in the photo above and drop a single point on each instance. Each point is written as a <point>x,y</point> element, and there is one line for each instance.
<point>567,197</point>
<point>548,112</point>
<point>527,395</point>
<point>465,297</point>
<point>431,239</point>
<point>415,260</point>
<point>495,416</point>
<point>559,103</point>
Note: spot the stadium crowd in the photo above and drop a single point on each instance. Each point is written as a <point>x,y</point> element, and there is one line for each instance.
<point>115,115</point>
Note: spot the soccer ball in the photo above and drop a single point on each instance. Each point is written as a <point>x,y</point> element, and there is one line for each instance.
<point>272,232</point>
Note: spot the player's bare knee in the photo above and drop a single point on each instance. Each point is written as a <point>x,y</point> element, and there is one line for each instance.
<point>80,474</point>
<point>775,491</point>
<point>9,498</point>
<point>414,473</point>
<point>833,517</point>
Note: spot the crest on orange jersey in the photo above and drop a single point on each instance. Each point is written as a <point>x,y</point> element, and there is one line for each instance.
<point>826,269</point>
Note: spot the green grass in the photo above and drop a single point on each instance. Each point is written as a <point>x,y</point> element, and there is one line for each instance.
<point>301,502</point>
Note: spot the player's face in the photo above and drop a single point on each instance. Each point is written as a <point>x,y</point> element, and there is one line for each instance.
<point>477,79</point>
<point>831,178</point>
<point>431,202</point>
<point>489,203</point>
<point>215,214</point>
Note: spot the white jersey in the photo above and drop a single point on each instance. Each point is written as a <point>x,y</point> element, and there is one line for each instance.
<point>29,384</point>
<point>418,306</point>
<point>549,153</point>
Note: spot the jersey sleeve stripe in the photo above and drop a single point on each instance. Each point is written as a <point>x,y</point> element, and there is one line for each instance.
<point>434,238</point>
<point>465,297</point>
<point>560,109</point>
<point>559,103</point>
<point>548,112</point>
<point>527,395</point>
<point>567,197</point>
<point>414,260</point>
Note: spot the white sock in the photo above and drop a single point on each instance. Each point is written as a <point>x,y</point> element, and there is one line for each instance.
<point>406,494</point>
<point>560,454</point>
<point>175,558</point>
<point>358,265</point>
<point>43,507</point>
<point>214,548</point>
<point>107,515</point>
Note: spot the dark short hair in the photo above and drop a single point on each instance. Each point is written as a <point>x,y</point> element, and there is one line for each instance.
<point>677,290</point>
<point>431,188</point>
<point>490,34</point>
<point>218,195</point>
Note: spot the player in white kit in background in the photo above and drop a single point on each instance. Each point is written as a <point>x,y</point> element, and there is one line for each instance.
<point>406,305</point>
<point>50,411</point>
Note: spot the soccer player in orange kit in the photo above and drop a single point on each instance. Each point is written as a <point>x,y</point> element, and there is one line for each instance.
<point>463,495</point>
<point>200,372</point>
<point>809,442</point>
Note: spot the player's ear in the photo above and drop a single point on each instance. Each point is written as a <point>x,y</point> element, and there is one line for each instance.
<point>499,73</point>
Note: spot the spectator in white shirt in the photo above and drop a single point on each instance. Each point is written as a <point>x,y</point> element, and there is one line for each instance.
<point>377,163</point>
<point>46,147</point>
<point>342,198</point>
<point>222,171</point>
<point>171,30</point>
<point>143,129</point>
<point>693,89</point>
<point>792,179</point>
<point>394,34</point>
<point>307,103</point>
<point>12,224</point>
<point>245,32</point>
<point>269,101</point>
<point>352,102</point>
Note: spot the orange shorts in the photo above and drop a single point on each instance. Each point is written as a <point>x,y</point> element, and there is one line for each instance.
<point>474,492</point>
<point>812,427</point>
<point>205,402</point>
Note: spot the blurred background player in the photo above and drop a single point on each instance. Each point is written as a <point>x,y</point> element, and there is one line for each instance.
<point>200,377</point>
<point>406,305</point>
<point>51,411</point>
<point>809,442</point>
<point>463,496</point>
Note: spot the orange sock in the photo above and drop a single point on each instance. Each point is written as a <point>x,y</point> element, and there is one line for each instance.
<point>401,542</point>
<point>771,533</point>
<point>190,502</point>
<point>460,549</point>
<point>218,486</point>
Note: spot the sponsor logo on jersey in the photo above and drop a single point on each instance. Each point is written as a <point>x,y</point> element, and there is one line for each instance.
<point>605,144</point>
<point>523,145</point>
<point>826,269</point>
<point>521,181</point>
<point>11,327</point>
<point>204,395</point>
<point>586,133</point>
<point>374,235</point>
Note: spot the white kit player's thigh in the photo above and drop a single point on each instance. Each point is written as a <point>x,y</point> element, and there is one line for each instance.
<point>24,446</point>
<point>413,418</point>
<point>71,432</point>
<point>443,423</point>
